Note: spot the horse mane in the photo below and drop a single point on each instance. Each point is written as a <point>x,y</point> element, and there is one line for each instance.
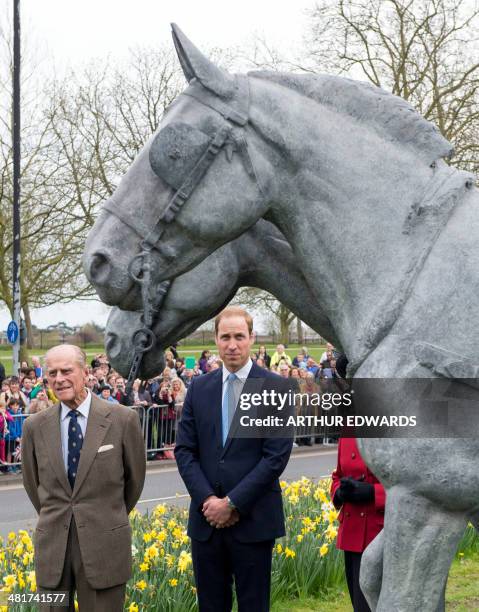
<point>391,116</point>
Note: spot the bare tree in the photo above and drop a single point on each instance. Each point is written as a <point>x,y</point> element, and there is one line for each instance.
<point>264,302</point>
<point>79,135</point>
<point>422,50</point>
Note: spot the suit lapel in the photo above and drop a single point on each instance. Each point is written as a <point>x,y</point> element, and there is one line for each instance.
<point>216,400</point>
<point>53,441</point>
<point>253,384</point>
<point>96,429</point>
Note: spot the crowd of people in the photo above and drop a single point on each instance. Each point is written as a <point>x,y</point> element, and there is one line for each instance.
<point>29,392</point>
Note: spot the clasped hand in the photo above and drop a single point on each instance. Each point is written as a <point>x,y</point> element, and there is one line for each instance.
<point>354,491</point>
<point>218,513</point>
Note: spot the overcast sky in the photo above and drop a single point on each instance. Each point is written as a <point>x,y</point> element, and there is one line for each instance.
<point>73,33</point>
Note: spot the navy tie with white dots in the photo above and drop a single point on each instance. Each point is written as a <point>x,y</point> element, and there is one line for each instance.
<point>75,441</point>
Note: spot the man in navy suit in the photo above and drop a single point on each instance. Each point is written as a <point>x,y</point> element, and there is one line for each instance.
<point>236,507</point>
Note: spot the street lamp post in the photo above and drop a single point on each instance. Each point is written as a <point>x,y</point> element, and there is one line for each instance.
<point>16,181</point>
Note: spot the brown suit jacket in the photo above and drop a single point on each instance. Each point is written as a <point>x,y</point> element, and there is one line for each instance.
<point>107,487</point>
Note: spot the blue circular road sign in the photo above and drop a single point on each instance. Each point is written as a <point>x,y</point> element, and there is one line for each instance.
<point>12,332</point>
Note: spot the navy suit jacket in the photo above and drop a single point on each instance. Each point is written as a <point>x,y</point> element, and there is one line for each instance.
<point>245,469</point>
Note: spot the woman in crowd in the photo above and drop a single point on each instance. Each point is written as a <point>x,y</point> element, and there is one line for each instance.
<point>262,354</point>
<point>14,392</point>
<point>179,366</point>
<point>179,393</point>
<point>140,397</point>
<point>203,362</point>
<point>170,360</point>
<point>167,412</point>
<point>361,498</point>
<point>5,419</point>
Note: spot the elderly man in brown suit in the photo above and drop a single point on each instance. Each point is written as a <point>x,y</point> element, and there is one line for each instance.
<point>83,469</point>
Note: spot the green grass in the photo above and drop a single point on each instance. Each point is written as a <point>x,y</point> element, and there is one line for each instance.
<point>184,351</point>
<point>462,594</point>
<point>335,602</point>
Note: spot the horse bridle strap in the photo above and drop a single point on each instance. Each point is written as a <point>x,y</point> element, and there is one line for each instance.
<point>140,268</point>
<point>189,184</point>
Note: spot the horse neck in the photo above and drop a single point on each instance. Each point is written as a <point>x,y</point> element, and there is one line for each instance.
<point>341,195</point>
<point>266,261</point>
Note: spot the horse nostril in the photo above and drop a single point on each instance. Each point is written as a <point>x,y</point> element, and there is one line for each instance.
<point>100,268</point>
<point>112,345</point>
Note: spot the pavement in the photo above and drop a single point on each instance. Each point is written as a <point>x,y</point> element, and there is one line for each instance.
<point>163,484</point>
<point>7,480</point>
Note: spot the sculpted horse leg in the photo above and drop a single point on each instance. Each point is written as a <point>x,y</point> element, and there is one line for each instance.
<point>371,573</point>
<point>420,542</point>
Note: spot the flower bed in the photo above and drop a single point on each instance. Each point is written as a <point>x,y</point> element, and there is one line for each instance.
<point>306,562</point>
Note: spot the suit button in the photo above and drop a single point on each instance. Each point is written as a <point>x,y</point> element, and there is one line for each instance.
<point>347,513</point>
<point>222,460</point>
<point>353,455</point>
<point>362,514</point>
<point>65,526</point>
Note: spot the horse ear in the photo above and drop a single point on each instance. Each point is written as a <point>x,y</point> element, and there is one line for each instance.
<point>196,65</point>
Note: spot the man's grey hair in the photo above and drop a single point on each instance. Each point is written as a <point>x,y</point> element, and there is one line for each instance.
<point>80,355</point>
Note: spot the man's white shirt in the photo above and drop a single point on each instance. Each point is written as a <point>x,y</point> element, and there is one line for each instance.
<point>242,374</point>
<point>83,411</point>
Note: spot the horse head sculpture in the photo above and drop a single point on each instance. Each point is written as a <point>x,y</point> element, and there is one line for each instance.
<point>261,258</point>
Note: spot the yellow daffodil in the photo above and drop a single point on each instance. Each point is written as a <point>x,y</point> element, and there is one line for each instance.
<point>323,550</point>
<point>32,580</point>
<point>184,561</point>
<point>10,580</point>
<point>133,607</point>
<point>289,553</point>
<point>144,567</point>
<point>173,582</point>
<point>141,584</point>
<point>151,552</point>
<point>161,536</point>
<point>27,558</point>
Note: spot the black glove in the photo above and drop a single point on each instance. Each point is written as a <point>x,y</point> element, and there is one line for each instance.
<point>355,491</point>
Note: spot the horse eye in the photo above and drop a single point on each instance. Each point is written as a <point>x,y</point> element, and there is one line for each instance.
<point>175,151</point>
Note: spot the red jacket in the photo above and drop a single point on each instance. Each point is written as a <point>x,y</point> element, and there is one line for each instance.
<point>359,523</point>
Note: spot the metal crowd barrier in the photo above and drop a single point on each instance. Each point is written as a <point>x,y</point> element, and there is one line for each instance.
<point>160,423</point>
<point>11,444</point>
